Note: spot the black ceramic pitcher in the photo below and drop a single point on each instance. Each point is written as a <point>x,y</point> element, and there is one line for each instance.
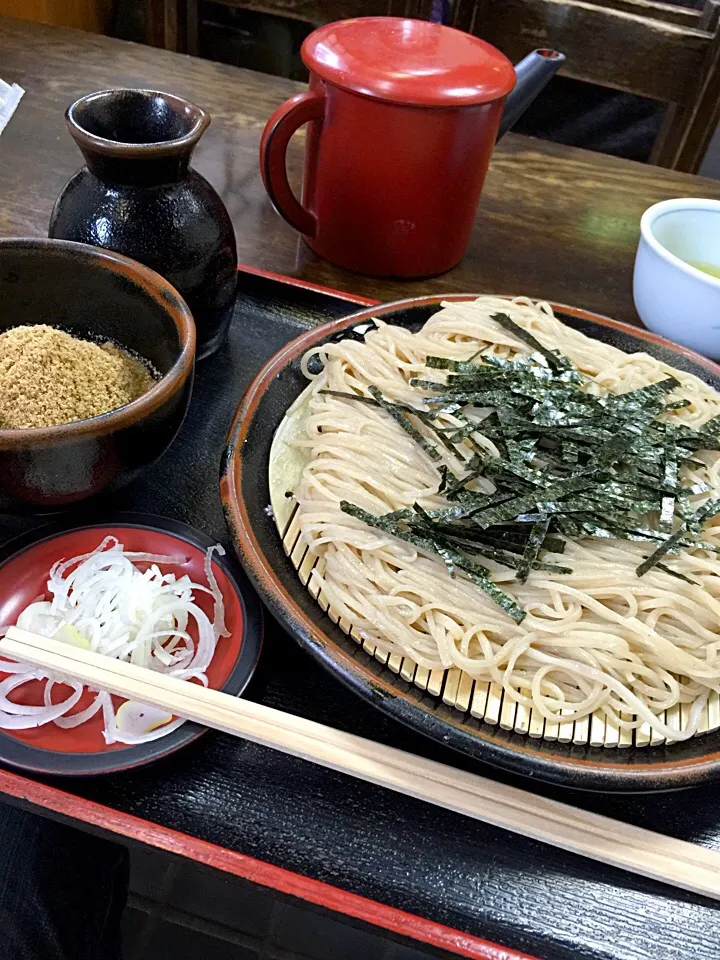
<point>138,196</point>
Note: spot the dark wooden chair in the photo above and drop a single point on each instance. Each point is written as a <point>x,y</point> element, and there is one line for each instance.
<point>166,24</point>
<point>645,47</point>
<point>650,49</point>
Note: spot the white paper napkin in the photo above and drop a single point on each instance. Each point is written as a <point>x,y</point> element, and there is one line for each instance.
<point>10,95</point>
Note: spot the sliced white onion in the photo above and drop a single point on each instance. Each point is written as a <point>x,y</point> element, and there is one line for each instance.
<point>9,666</point>
<point>219,614</point>
<point>113,735</point>
<point>12,683</point>
<point>27,717</point>
<point>62,565</point>
<point>100,600</point>
<point>156,558</point>
<point>38,618</point>
<point>138,718</point>
<point>76,719</point>
<point>108,714</point>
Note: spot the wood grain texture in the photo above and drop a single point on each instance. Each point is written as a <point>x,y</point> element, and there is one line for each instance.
<point>670,12</point>
<point>166,23</point>
<point>611,47</point>
<point>554,222</point>
<point>315,12</point>
<point>318,12</point>
<point>626,45</point>
<point>657,50</point>
<point>588,202</point>
<point>696,122</point>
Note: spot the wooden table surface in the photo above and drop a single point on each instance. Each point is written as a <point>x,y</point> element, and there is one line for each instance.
<point>554,222</point>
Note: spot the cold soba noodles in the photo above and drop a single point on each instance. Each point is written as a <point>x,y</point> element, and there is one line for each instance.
<point>502,494</point>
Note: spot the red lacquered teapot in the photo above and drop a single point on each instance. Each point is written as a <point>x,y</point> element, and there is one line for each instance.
<point>403,116</point>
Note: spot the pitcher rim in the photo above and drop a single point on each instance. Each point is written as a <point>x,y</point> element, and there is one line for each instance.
<point>120,148</point>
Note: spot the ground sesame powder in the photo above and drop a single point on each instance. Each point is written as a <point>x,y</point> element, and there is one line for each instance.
<point>48,377</point>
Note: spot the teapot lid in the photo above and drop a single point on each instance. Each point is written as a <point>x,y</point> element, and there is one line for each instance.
<point>408,61</point>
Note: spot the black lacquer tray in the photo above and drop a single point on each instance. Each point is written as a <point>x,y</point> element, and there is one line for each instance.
<point>354,836</point>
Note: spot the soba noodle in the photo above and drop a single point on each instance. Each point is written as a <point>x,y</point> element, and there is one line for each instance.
<point>597,640</point>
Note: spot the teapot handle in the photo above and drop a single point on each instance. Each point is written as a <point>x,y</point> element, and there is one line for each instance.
<point>278,130</point>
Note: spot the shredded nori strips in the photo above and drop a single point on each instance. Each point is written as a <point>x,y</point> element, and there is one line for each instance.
<point>570,464</point>
<point>533,547</point>
<point>554,360</point>
<point>478,574</point>
<point>704,513</point>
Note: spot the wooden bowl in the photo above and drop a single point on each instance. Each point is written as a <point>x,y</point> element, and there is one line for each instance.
<point>95,294</point>
<point>274,566</point>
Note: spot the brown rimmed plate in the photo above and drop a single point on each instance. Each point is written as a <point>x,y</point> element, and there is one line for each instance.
<point>246,498</point>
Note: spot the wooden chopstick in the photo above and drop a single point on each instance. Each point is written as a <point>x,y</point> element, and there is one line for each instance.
<point>677,862</point>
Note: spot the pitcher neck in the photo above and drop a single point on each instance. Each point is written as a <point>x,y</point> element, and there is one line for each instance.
<point>136,171</point>
<point>138,137</point>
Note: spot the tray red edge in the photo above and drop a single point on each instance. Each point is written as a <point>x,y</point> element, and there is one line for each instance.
<point>308,285</point>
<point>66,805</point>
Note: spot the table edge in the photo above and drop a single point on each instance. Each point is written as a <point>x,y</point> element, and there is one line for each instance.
<point>260,872</point>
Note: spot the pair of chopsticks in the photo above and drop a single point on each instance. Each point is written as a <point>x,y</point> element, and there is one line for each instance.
<point>677,862</point>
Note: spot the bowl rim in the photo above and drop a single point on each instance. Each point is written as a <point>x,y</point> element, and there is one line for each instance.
<point>658,210</point>
<point>165,295</point>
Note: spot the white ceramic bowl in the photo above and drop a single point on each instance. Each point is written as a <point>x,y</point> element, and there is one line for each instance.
<point>672,297</point>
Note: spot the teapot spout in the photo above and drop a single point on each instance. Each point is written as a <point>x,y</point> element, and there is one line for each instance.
<point>533,73</point>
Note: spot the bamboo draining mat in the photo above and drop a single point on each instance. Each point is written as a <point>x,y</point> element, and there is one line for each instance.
<point>482,700</point>
<point>677,862</point>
